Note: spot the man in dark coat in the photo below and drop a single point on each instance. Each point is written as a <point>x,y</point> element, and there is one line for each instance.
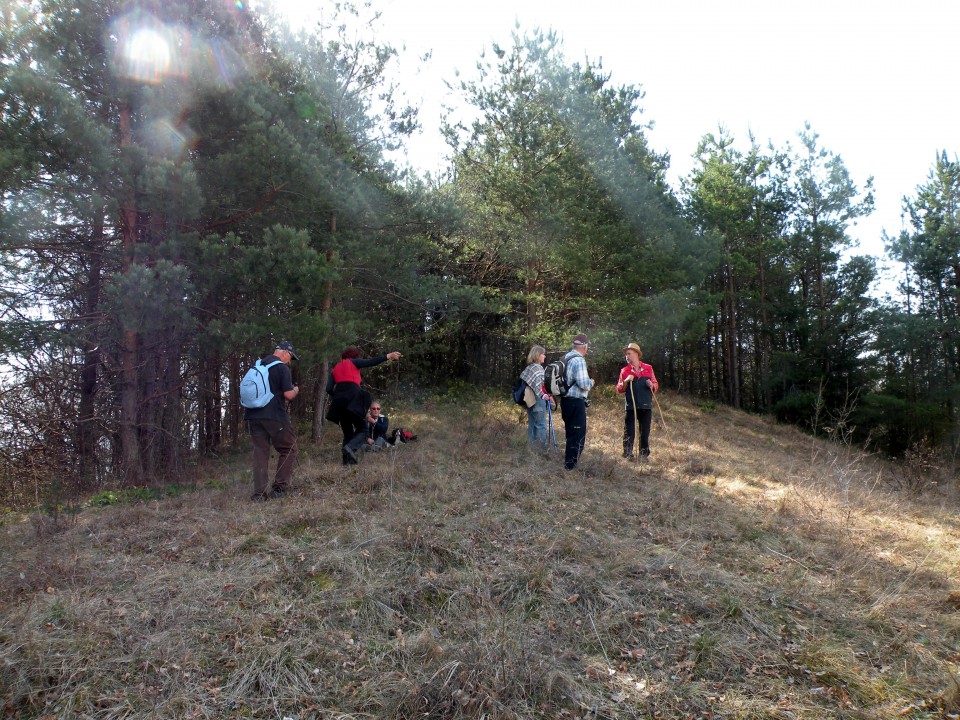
<point>270,425</point>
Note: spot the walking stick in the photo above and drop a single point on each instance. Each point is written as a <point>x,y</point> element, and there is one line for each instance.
<point>552,434</point>
<point>663,422</point>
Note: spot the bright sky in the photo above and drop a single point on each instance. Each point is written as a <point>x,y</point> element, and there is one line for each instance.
<point>876,79</point>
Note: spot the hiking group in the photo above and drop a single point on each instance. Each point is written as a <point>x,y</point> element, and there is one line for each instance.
<point>540,385</point>
<point>268,386</point>
<point>264,392</point>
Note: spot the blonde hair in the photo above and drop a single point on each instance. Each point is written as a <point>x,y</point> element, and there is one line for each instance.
<point>534,355</point>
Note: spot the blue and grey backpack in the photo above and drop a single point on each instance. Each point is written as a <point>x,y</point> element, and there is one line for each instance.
<point>255,386</point>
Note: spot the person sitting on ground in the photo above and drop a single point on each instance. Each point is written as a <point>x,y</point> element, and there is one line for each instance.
<point>637,383</point>
<point>349,402</point>
<point>378,434</point>
<point>377,425</point>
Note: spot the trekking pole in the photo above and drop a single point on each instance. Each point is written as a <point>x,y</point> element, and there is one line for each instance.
<point>546,439</point>
<point>553,434</point>
<point>663,422</point>
<point>553,425</point>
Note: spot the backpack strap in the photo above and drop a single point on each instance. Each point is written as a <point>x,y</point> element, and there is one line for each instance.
<point>569,366</point>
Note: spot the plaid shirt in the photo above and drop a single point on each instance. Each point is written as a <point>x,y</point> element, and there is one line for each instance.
<point>532,375</point>
<point>577,377</point>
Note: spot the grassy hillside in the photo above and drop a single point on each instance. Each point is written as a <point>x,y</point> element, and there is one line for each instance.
<point>746,571</point>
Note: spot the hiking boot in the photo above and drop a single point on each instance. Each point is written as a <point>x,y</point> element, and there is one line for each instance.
<point>276,493</point>
<point>349,456</point>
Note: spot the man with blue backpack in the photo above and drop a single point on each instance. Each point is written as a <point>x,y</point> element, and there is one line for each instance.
<point>264,392</point>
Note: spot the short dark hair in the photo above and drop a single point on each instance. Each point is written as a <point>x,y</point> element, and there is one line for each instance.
<point>350,353</point>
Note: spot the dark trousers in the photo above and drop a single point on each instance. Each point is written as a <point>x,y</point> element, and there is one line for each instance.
<point>574,414</point>
<point>354,431</point>
<point>279,435</point>
<point>643,417</point>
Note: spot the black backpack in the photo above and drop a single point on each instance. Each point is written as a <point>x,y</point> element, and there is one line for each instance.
<point>555,378</point>
<point>518,391</point>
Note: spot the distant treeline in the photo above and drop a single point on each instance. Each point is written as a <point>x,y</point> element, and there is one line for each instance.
<point>184,183</point>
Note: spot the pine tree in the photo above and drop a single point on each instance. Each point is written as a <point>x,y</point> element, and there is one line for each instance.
<point>569,222</point>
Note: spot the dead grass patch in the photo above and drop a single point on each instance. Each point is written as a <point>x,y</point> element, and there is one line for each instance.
<point>744,571</point>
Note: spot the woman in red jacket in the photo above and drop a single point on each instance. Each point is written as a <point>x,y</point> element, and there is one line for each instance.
<point>349,402</point>
<point>638,383</point>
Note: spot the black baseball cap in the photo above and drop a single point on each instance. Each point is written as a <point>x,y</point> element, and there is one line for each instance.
<point>288,346</point>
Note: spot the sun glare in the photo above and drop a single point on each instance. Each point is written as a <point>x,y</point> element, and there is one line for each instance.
<point>147,56</point>
<point>150,51</point>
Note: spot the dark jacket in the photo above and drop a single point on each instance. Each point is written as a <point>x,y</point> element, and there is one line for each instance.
<point>348,401</point>
<point>638,388</point>
<point>379,428</point>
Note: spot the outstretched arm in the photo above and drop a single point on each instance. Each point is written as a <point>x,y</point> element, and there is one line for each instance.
<point>370,362</point>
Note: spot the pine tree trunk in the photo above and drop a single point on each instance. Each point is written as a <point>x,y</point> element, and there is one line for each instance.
<point>86,421</point>
<point>320,392</point>
<point>531,303</point>
<point>172,441</point>
<point>210,404</point>
<point>233,399</point>
<point>733,344</point>
<point>764,344</point>
<point>320,401</point>
<point>130,449</point>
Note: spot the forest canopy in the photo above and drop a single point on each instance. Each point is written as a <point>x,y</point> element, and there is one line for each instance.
<point>183,184</point>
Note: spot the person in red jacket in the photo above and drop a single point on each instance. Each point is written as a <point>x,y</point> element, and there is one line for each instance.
<point>349,402</point>
<point>638,384</point>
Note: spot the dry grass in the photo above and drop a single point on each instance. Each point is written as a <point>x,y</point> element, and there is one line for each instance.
<point>747,571</point>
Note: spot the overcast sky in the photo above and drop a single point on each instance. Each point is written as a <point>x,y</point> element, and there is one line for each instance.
<point>876,80</point>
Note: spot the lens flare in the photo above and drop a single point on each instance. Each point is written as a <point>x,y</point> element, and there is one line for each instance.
<point>145,49</point>
<point>219,63</point>
<point>147,56</point>
<point>149,51</point>
<point>166,139</point>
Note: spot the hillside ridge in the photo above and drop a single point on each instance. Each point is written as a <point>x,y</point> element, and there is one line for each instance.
<point>747,571</point>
